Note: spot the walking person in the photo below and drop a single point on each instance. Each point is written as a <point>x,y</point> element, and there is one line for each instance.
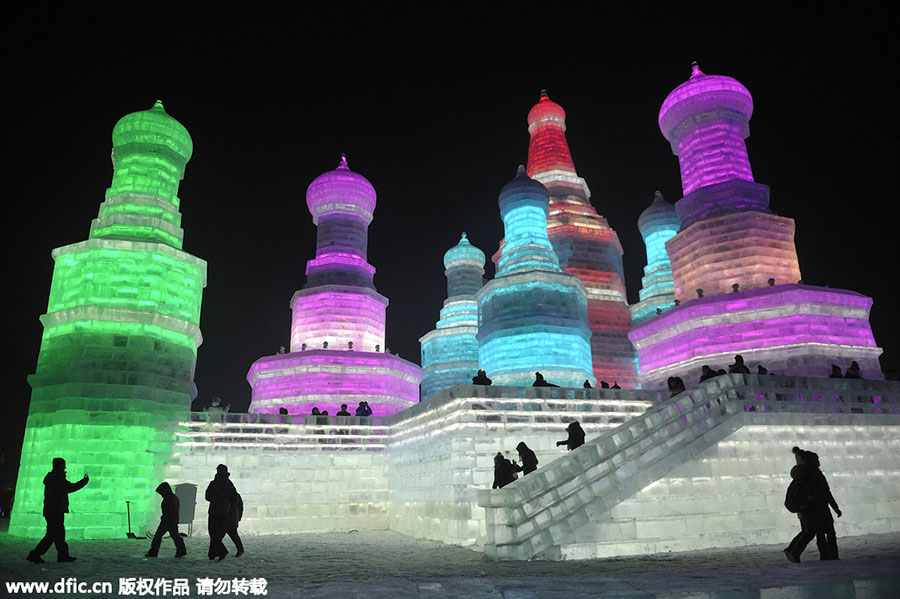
<point>235,513</point>
<point>529,460</point>
<point>168,522</point>
<point>56,506</point>
<point>219,493</point>
<point>812,507</point>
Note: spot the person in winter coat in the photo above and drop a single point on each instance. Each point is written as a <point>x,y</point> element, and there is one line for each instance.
<point>168,522</point>
<point>576,436</point>
<point>815,518</point>
<point>56,506</point>
<point>504,471</point>
<point>529,460</point>
<point>219,493</point>
<point>235,513</point>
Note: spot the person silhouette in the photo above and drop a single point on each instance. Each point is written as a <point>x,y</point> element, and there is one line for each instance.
<point>853,372</point>
<point>504,471</point>
<point>587,384</point>
<point>815,516</point>
<point>540,382</point>
<point>219,493</point>
<point>56,506</point>
<point>676,385</point>
<point>738,367</point>
<point>168,522</point>
<point>529,460</point>
<point>707,373</point>
<point>576,436</point>
<point>481,378</point>
<point>835,372</point>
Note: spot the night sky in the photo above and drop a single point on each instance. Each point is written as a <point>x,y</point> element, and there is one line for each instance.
<point>434,116</point>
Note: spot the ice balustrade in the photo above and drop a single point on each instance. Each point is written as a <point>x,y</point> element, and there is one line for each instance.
<point>540,513</point>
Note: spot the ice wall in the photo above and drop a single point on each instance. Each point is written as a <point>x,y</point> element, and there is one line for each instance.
<point>120,341</point>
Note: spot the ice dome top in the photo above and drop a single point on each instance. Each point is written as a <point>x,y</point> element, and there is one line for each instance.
<point>341,190</point>
<point>659,212</point>
<point>463,252</point>
<point>546,110</point>
<point>523,187</point>
<point>703,93</point>
<point>153,127</point>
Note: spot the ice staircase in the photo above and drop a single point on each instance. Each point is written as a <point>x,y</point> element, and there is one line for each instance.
<point>707,468</point>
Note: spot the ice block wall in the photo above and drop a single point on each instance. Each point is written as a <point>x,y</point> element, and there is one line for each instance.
<point>585,244</point>
<point>338,318</point>
<point>532,316</point>
<point>657,224</point>
<point>450,351</point>
<point>120,341</point>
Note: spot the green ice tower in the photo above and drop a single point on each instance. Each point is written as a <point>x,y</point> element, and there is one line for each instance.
<point>121,332</point>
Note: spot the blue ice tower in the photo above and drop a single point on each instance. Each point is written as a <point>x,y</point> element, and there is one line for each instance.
<point>450,351</point>
<point>657,224</point>
<point>532,317</point>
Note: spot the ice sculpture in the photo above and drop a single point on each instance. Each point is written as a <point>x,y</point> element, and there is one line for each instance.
<point>586,245</point>
<point>450,351</point>
<point>120,341</point>
<point>532,316</point>
<point>657,224</point>
<point>337,329</point>
<point>734,263</point>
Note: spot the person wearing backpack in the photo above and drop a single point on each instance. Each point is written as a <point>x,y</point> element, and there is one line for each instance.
<point>235,513</point>
<point>810,497</point>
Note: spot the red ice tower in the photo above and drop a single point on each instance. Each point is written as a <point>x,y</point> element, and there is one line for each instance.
<point>585,243</point>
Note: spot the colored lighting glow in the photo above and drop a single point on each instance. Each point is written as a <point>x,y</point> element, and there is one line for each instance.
<point>790,329</point>
<point>532,317</point>
<point>658,223</point>
<point>706,120</point>
<point>339,307</point>
<point>120,342</point>
<point>450,351</point>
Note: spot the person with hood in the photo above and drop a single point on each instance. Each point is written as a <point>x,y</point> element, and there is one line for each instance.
<point>504,471</point>
<point>576,436</point>
<point>815,516</point>
<point>56,506</point>
<point>168,522</point>
<point>738,367</point>
<point>219,493</point>
<point>529,460</point>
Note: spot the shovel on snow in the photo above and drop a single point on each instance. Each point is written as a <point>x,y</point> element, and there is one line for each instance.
<point>130,534</point>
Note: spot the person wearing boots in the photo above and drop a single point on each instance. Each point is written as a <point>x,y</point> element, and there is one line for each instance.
<point>56,506</point>
<point>168,522</point>
<point>219,493</point>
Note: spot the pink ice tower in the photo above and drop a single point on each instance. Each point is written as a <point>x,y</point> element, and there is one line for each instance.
<point>734,262</point>
<point>338,351</point>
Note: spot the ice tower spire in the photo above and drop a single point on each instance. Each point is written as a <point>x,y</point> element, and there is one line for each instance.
<point>532,316</point>
<point>338,323</point>
<point>116,366</point>
<point>585,244</point>
<point>657,224</point>
<point>734,264</point>
<point>450,351</point>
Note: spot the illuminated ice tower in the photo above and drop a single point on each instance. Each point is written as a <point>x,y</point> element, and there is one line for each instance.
<point>586,245</point>
<point>450,351</point>
<point>337,329</point>
<point>734,262</point>
<point>657,224</point>
<point>120,341</point>
<point>532,316</point>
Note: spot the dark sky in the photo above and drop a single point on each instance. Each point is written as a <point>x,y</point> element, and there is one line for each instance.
<point>433,114</point>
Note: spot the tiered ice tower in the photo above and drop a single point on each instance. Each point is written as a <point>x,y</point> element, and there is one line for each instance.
<point>586,245</point>
<point>337,329</point>
<point>120,341</point>
<point>657,224</point>
<point>450,351</point>
<point>734,262</point>
<point>532,316</point>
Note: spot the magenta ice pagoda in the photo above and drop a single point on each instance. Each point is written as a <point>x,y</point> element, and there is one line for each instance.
<point>734,263</point>
<point>337,328</point>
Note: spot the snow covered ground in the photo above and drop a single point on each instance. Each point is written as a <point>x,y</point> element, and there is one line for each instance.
<point>388,564</point>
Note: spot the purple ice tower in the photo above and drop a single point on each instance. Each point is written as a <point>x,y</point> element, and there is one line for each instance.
<point>734,262</point>
<point>337,328</point>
